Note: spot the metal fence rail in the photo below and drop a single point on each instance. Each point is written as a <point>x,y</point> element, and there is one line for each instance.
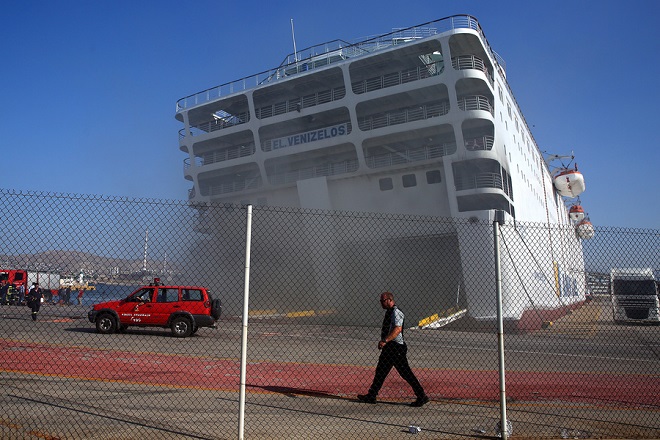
<point>314,324</point>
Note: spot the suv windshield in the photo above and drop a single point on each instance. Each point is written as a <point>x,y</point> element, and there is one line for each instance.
<point>142,295</point>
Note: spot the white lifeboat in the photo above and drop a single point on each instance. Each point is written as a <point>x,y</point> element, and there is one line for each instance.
<point>585,230</point>
<point>576,213</point>
<point>569,183</point>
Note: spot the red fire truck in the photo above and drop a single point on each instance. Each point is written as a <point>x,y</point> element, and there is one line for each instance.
<point>19,278</point>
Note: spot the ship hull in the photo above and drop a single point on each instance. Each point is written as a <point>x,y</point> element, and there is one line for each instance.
<point>418,122</point>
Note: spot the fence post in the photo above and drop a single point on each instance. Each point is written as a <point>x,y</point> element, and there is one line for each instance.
<point>246,301</point>
<point>497,221</point>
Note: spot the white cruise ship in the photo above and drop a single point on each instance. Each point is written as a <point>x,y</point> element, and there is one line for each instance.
<point>417,121</point>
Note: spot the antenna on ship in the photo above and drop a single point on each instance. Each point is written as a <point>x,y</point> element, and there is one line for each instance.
<point>293,35</point>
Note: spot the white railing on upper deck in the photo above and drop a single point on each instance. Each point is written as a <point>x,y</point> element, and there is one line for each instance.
<point>475,102</point>
<point>479,143</point>
<point>328,53</point>
<point>404,115</point>
<point>410,155</point>
<point>297,104</point>
<point>397,78</point>
<point>464,62</point>
<point>234,186</point>
<point>481,180</point>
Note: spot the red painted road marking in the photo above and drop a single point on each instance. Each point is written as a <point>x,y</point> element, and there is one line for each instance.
<point>325,379</point>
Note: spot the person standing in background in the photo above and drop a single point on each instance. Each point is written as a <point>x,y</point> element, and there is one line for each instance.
<point>34,298</point>
<point>4,291</point>
<point>21,294</point>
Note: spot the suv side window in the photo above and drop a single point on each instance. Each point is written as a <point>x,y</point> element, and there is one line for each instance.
<point>192,295</point>
<point>167,295</point>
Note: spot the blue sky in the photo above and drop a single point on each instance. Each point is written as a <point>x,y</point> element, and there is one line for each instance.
<point>89,88</point>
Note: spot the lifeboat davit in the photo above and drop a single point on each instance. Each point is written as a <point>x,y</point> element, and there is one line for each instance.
<point>569,183</point>
<point>576,213</point>
<point>585,230</point>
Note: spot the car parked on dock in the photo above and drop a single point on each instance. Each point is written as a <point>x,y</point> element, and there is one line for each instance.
<point>184,309</point>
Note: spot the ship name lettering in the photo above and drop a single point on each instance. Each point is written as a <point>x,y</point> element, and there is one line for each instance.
<point>310,136</point>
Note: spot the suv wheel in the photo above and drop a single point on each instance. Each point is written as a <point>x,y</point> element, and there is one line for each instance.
<point>105,324</point>
<point>181,327</point>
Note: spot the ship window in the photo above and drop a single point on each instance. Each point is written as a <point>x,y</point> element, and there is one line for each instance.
<point>433,177</point>
<point>409,180</point>
<point>386,184</point>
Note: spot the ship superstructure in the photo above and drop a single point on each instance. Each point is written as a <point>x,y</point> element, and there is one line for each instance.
<point>417,121</point>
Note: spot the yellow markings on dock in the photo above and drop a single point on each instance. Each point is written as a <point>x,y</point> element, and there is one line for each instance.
<point>305,313</point>
<point>300,314</point>
<point>428,320</point>
<point>274,313</point>
<point>438,316</point>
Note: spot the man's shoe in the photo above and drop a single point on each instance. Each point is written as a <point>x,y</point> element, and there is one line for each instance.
<point>421,401</point>
<point>366,398</point>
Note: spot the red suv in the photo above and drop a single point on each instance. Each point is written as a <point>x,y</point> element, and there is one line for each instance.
<point>184,309</point>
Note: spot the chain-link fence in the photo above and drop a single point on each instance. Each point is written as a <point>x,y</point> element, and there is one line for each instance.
<point>314,324</point>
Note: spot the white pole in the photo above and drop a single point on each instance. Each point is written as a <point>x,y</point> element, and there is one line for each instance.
<point>146,241</point>
<point>499,220</point>
<point>293,35</point>
<point>246,300</point>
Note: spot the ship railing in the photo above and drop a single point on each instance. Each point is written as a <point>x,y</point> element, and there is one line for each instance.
<point>187,163</point>
<point>322,55</point>
<point>481,180</point>
<point>298,104</point>
<point>327,169</point>
<point>410,155</point>
<point>466,62</point>
<point>402,116</point>
<point>479,143</point>
<point>475,102</point>
<point>229,153</point>
<point>193,132</point>
<point>397,78</point>
<point>216,124</point>
<point>235,186</point>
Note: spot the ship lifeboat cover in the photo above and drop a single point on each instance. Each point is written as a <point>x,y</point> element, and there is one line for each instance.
<point>576,213</point>
<point>585,230</point>
<point>569,183</point>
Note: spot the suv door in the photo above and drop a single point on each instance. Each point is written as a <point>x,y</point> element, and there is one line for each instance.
<point>137,309</point>
<point>168,301</point>
<point>193,300</point>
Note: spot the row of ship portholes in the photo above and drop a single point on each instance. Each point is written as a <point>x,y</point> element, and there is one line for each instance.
<point>410,180</point>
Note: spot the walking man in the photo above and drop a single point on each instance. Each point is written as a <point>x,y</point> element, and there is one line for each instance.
<point>34,299</point>
<point>393,354</point>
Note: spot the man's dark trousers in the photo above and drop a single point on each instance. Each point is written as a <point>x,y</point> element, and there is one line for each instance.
<point>394,355</point>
